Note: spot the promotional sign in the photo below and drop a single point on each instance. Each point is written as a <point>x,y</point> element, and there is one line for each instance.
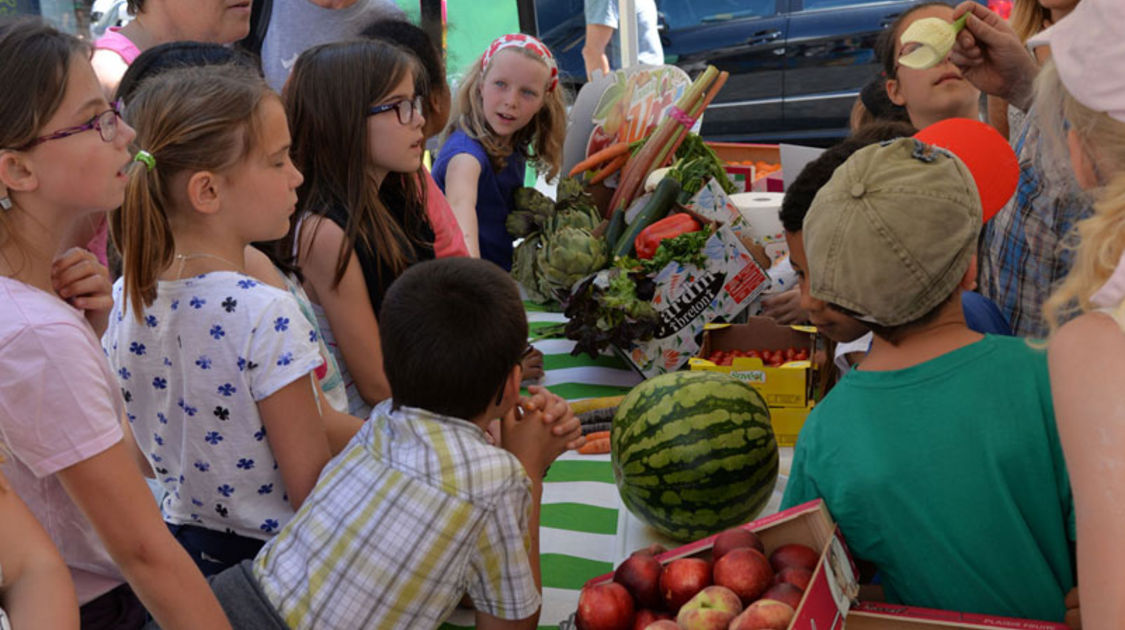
<point>623,106</point>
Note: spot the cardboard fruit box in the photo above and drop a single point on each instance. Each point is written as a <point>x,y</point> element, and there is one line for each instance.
<point>834,584</point>
<point>830,601</point>
<point>881,616</point>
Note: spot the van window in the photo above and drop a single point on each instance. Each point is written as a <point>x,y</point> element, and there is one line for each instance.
<point>679,14</point>
<point>833,4</point>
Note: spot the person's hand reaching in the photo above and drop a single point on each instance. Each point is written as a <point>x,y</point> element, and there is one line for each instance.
<point>991,56</point>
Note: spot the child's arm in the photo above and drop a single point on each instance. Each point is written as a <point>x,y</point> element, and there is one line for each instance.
<point>36,591</point>
<point>108,490</point>
<point>1091,428</point>
<point>297,436</point>
<point>347,306</point>
<point>461,178</point>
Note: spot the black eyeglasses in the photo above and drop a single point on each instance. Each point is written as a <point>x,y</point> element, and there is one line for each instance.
<point>105,122</point>
<point>406,109</point>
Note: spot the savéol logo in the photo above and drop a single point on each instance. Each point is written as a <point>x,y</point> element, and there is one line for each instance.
<point>757,377</point>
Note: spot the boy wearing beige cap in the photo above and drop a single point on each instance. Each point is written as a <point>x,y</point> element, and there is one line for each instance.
<point>938,457</point>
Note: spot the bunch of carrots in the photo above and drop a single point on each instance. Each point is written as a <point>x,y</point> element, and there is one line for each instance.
<point>637,160</point>
<point>613,157</point>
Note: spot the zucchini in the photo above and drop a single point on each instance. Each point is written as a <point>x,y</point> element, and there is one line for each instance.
<point>663,199</point>
<point>616,227</point>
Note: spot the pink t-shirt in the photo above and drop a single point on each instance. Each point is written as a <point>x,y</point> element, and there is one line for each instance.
<point>118,43</point>
<point>449,241</point>
<point>59,405</point>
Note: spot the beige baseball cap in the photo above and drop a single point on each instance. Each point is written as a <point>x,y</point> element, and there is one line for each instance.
<point>891,234</point>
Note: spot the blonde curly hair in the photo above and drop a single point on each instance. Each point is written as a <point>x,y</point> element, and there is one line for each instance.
<point>540,142</point>
<point>1098,241</point>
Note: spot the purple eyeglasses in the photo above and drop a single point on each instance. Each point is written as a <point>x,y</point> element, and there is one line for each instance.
<point>105,122</point>
<point>405,108</point>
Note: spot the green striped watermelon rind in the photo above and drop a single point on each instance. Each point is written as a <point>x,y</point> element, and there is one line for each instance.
<point>658,464</point>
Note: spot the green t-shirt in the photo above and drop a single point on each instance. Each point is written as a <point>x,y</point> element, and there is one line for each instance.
<point>949,477</point>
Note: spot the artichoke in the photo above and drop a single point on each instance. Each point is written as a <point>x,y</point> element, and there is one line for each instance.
<point>577,217</point>
<point>521,224</point>
<point>532,210</point>
<point>570,188</point>
<point>570,254</point>
<point>525,269</point>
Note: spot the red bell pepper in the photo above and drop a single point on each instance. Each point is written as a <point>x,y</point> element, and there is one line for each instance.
<point>669,227</point>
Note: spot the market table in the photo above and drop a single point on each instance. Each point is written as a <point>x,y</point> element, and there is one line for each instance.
<point>584,529</point>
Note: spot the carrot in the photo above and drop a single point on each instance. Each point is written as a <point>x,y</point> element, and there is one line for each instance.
<point>610,169</point>
<point>643,162</point>
<point>599,446</point>
<point>597,435</point>
<point>682,132</point>
<point>606,154</point>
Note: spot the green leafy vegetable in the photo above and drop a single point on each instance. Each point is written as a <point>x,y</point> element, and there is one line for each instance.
<point>611,307</point>
<point>695,164</point>
<point>686,249</point>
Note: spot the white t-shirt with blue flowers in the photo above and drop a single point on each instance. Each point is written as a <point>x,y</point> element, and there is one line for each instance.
<point>191,372</point>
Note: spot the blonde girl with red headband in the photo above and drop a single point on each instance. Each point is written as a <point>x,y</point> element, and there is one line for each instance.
<point>509,110</point>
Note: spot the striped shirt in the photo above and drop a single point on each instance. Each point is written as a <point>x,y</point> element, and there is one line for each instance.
<point>417,511</point>
<point>1023,253</point>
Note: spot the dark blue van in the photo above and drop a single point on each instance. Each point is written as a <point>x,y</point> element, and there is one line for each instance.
<point>796,66</point>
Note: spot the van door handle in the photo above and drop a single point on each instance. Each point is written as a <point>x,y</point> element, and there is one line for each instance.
<point>762,37</point>
<point>888,20</point>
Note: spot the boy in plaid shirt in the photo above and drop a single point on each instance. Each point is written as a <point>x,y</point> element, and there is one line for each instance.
<point>420,509</point>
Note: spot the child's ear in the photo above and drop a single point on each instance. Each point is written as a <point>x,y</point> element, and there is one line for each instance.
<point>894,93</point>
<point>969,280</point>
<point>203,192</point>
<point>512,384</point>
<point>16,173</point>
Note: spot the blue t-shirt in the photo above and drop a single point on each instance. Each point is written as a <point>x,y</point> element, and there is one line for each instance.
<point>982,315</point>
<point>494,194</point>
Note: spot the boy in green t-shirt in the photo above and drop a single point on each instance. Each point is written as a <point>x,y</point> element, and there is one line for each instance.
<point>938,456</point>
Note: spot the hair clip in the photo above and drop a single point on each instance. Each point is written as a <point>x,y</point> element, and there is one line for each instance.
<point>5,203</point>
<point>144,157</point>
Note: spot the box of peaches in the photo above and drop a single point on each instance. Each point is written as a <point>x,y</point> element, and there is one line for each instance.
<point>788,571</point>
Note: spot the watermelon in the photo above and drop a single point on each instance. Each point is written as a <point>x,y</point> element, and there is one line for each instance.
<point>693,453</point>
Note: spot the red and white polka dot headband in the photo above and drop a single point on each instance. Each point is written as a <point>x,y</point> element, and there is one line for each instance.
<point>527,42</point>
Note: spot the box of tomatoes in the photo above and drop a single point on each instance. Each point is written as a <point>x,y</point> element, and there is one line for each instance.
<point>779,361</point>
<point>786,364</point>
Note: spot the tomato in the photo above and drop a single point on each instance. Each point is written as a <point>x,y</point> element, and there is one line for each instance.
<point>737,353</point>
<point>754,354</point>
<point>802,355</point>
<point>790,353</point>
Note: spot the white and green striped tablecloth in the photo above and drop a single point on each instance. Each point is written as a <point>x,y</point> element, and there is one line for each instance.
<point>584,530</point>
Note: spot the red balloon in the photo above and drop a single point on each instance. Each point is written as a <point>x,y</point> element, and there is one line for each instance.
<point>985,152</point>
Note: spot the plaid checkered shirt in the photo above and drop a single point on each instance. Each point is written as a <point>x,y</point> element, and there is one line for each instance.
<point>1023,253</point>
<point>417,511</point>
